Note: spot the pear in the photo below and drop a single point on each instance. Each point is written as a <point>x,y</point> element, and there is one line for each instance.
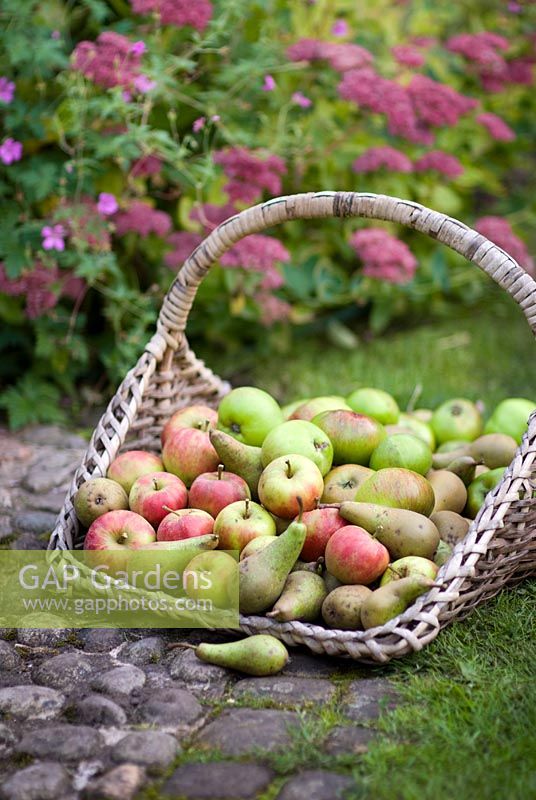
<point>241,459</point>
<point>464,467</point>
<point>97,496</point>
<point>259,655</point>
<point>441,460</point>
<point>258,543</point>
<point>309,566</point>
<point>392,599</point>
<point>263,574</point>
<point>331,582</point>
<point>449,490</point>
<point>494,449</point>
<point>402,532</point>
<point>451,526</point>
<point>302,598</point>
<point>342,607</point>
<point>443,553</point>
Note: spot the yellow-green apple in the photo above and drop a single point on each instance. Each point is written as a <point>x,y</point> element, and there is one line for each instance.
<point>240,522</point>
<point>151,496</point>
<point>289,409</point>
<point>342,482</point>
<point>248,414</point>
<point>396,487</point>
<point>186,523</point>
<point>354,436</point>
<point>457,419</point>
<point>97,496</point>
<point>129,466</point>
<point>479,488</point>
<point>412,424</point>
<point>121,532</point>
<point>286,481</point>
<point>212,577</point>
<point>402,450</point>
<point>321,524</point>
<point>374,403</point>
<point>511,417</point>
<point>354,556</point>
<point>409,565</point>
<point>212,491</point>
<point>188,453</point>
<point>300,437</point>
<point>316,405</point>
<point>201,417</point>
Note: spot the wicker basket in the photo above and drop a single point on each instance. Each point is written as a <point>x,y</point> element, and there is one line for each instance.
<point>500,547</point>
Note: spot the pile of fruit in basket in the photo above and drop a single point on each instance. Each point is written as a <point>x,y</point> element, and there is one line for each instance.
<point>343,509</point>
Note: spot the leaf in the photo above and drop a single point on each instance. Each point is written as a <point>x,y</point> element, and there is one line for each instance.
<point>31,401</point>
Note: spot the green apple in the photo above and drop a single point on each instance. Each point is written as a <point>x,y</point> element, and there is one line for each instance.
<point>213,578</point>
<point>418,428</point>
<point>479,488</point>
<point>301,438</point>
<point>402,450</point>
<point>341,483</point>
<point>457,419</point>
<point>511,417</point>
<point>354,436</point>
<point>290,408</point>
<point>315,406</point>
<point>240,522</point>
<point>249,414</point>
<point>407,566</point>
<point>375,403</point>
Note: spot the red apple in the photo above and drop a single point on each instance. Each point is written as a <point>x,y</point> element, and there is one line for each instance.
<point>354,556</point>
<point>286,479</point>
<point>321,524</point>
<point>184,524</point>
<point>152,495</point>
<point>121,531</point>
<point>188,453</point>
<point>129,466</point>
<point>212,491</point>
<point>201,417</point>
<point>240,522</point>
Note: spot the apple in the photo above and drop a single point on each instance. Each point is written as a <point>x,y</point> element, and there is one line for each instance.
<point>120,531</point>
<point>396,487</point>
<point>212,491</point>
<point>479,488</point>
<point>188,453</point>
<point>240,522</point>
<point>457,419</point>
<point>249,414</point>
<point>342,482</point>
<point>374,403</point>
<point>301,438</point>
<point>423,414</point>
<point>97,496</point>
<point>452,446</point>
<point>289,409</point>
<point>201,417</point>
<point>212,577</point>
<point>411,424</point>
<point>407,566</point>
<point>354,436</point>
<point>186,523</point>
<point>402,450</point>
<point>311,408</point>
<point>154,494</point>
<point>321,524</point>
<point>129,466</point>
<point>511,417</point>
<point>288,480</point>
<point>354,556</point>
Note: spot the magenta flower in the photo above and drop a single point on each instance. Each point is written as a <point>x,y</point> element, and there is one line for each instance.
<point>107,204</point>
<point>182,243</point>
<point>339,55</point>
<point>10,151</point>
<point>301,100</point>
<point>199,124</point>
<point>144,84</point>
<point>196,13</point>
<point>386,157</point>
<point>339,28</point>
<point>500,232</point>
<point>384,256</point>
<point>211,215</point>
<point>143,219</point>
<point>126,95</point>
<point>407,55</point>
<point>496,127</point>
<point>441,162</point>
<point>250,173</point>
<point>258,253</point>
<point>269,84</point>
<point>138,48</point>
<point>109,61</point>
<point>53,237</point>
<point>146,165</point>
<point>7,90</point>
<point>272,308</point>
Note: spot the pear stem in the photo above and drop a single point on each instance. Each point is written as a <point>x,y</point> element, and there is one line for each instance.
<point>246,510</point>
<point>289,469</point>
<point>220,471</point>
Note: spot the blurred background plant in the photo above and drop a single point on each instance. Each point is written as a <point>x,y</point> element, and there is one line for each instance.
<point>129,129</point>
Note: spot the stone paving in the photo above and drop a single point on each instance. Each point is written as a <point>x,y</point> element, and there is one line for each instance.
<point>120,715</point>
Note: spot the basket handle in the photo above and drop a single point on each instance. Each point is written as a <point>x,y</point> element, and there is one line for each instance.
<point>315,205</point>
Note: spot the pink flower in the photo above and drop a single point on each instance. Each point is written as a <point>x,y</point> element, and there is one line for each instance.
<point>199,124</point>
<point>499,231</point>
<point>272,309</point>
<point>441,162</point>
<point>142,219</point>
<point>480,47</point>
<point>211,215</point>
<point>7,90</point>
<point>126,95</point>
<point>407,55</point>
<point>182,243</point>
<point>437,104</point>
<point>257,253</point>
<point>144,84</point>
<point>53,237</point>
<point>138,48</point>
<point>301,100</point>
<point>514,8</point>
<point>107,204</point>
<point>384,256</point>
<point>196,13</point>
<point>386,157</point>
<point>109,61</point>
<point>340,56</point>
<point>496,126</point>
<point>519,70</point>
<point>250,173</point>
<point>269,84</point>
<point>10,151</point>
<point>41,287</point>
<point>86,224</point>
<point>146,165</point>
<point>424,41</point>
<point>55,35</point>
<point>339,28</point>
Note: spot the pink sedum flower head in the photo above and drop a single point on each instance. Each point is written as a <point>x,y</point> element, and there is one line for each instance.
<point>384,256</point>
<point>382,158</point>
<point>437,104</point>
<point>496,127</point>
<point>109,61</point>
<point>339,28</point>
<point>195,13</point>
<point>269,84</point>
<point>438,161</point>
<point>7,91</point>
<point>10,151</point>
<point>143,219</point>
<point>146,165</point>
<point>250,173</point>
<point>272,308</point>
<point>144,84</point>
<point>340,56</point>
<point>257,253</point>
<point>107,204</point>
<point>408,56</point>
<point>53,237</point>
<point>301,100</point>
<point>499,231</point>
<point>211,215</point>
<point>182,243</point>
<point>138,48</point>
<point>41,288</point>
<point>199,124</point>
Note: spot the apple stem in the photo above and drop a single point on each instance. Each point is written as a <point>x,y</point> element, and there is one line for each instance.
<point>155,484</point>
<point>123,536</point>
<point>300,506</point>
<point>246,512</point>
<point>220,471</point>
<point>205,425</point>
<point>171,510</point>
<point>317,502</point>
<point>289,469</point>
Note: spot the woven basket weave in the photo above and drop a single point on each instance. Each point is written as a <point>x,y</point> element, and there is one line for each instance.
<point>500,547</point>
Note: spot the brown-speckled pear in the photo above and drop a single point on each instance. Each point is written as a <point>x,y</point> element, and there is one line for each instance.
<point>396,487</point>
<point>342,607</point>
<point>301,599</point>
<point>97,496</point>
<point>402,532</point>
<point>493,449</point>
<point>442,460</point>
<point>464,467</point>
<point>241,459</point>
<point>342,482</point>
<point>392,599</point>
<point>449,490</point>
<point>259,655</point>
<point>452,527</point>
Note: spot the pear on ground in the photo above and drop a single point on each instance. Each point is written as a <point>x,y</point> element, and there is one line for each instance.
<point>342,607</point>
<point>452,527</point>
<point>449,491</point>
<point>263,574</point>
<point>241,459</point>
<point>392,599</point>
<point>301,599</point>
<point>493,450</point>
<point>402,532</point>
<point>259,655</point>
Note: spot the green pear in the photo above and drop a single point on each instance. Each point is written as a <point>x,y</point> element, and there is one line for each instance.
<point>259,655</point>
<point>402,532</point>
<point>342,607</point>
<point>443,553</point>
<point>301,599</point>
<point>392,599</point>
<point>241,459</point>
<point>97,496</point>
<point>494,449</point>
<point>464,467</point>
<point>258,543</point>
<point>441,460</point>
<point>452,527</point>
<point>263,574</point>
<point>479,488</point>
<point>449,490</point>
